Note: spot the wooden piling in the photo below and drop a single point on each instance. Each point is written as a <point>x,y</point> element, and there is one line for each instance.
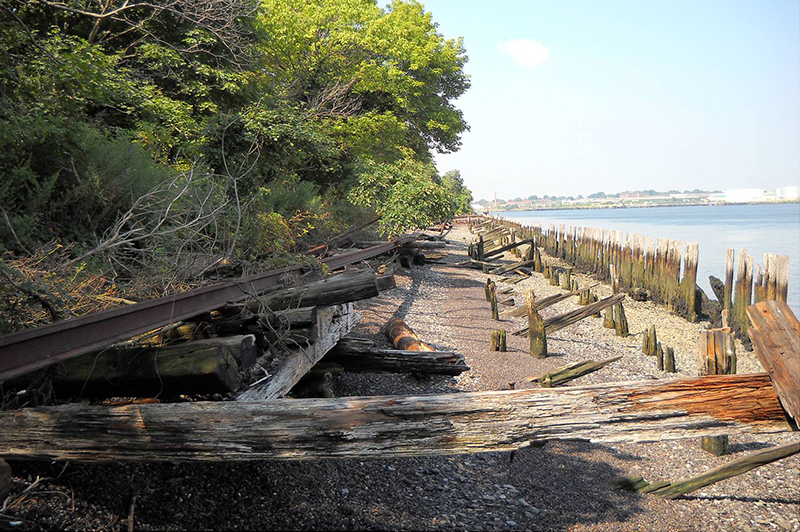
<point>608,318</point>
<point>717,351</point>
<point>536,330</point>
<point>742,293</point>
<point>727,302</point>
<point>493,301</point>
<point>498,340</point>
<point>650,342</point>
<point>669,360</point>
<point>687,288</point>
<point>620,321</point>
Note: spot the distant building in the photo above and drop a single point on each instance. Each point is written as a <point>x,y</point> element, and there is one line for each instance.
<point>787,193</point>
<point>744,195</point>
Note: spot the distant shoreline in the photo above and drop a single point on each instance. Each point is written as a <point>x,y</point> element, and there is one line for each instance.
<point>612,207</point>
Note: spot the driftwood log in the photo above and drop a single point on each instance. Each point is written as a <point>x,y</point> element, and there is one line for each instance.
<point>361,355</point>
<point>394,426</point>
<point>403,337</point>
<point>571,372</point>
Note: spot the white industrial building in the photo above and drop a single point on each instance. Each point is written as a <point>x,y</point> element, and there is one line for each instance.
<point>744,195</point>
<point>787,193</point>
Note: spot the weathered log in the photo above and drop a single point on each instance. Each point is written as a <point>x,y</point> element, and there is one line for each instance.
<point>394,426</point>
<point>505,269</point>
<point>361,355</point>
<point>507,247</point>
<point>498,340</point>
<point>284,370</point>
<point>775,334</point>
<point>203,366</point>
<point>403,337</point>
<point>568,318</point>
<point>673,490</point>
<point>571,372</point>
<point>338,289</point>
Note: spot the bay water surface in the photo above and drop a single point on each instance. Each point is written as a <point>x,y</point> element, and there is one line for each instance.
<point>758,228</point>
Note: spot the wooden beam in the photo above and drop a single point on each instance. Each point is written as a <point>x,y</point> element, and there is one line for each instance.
<point>284,370</point>
<point>568,318</point>
<point>507,247</point>
<point>776,339</point>
<point>361,355</point>
<point>394,426</point>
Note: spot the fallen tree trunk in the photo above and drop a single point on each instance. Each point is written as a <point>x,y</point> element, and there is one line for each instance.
<point>403,337</point>
<point>394,426</point>
<point>360,354</point>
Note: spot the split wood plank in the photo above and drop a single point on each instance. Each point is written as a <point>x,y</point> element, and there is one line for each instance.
<point>287,370</point>
<point>776,338</point>
<point>394,426</point>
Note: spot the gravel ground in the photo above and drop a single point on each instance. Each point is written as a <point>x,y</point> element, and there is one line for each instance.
<point>560,486</point>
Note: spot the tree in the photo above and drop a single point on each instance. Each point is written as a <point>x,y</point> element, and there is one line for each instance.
<point>598,195</point>
<point>460,196</point>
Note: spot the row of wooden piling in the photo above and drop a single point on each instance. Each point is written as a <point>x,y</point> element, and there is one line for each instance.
<point>643,268</point>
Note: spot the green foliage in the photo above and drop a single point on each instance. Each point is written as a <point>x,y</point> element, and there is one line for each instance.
<point>460,196</point>
<point>405,194</point>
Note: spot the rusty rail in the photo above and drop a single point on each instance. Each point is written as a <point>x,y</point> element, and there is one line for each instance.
<point>28,350</point>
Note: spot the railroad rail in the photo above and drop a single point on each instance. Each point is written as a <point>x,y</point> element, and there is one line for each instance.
<point>28,350</point>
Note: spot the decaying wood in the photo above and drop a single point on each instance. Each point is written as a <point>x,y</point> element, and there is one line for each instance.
<point>559,322</point>
<point>498,340</point>
<point>673,490</point>
<point>775,334</point>
<point>6,482</point>
<point>571,372</point>
<point>361,355</point>
<point>284,370</point>
<point>620,320</point>
<point>403,337</point>
<point>493,301</point>
<point>510,267</point>
<point>650,342</point>
<point>202,366</point>
<point>338,289</point>
<point>536,328</point>
<point>394,426</point>
<point>507,247</point>
<point>539,304</point>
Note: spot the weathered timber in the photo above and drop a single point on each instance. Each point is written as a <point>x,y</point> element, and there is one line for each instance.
<point>669,360</point>
<point>650,342</point>
<point>685,300</point>
<point>742,293</point>
<point>202,366</point>
<point>620,320</point>
<point>498,340</point>
<point>716,350</point>
<point>505,269</point>
<point>284,370</point>
<point>571,372</point>
<point>736,467</point>
<point>403,337</point>
<point>338,289</point>
<point>393,426</point>
<point>507,247</point>
<point>493,301</point>
<point>660,357</point>
<point>536,327</point>
<point>782,278</point>
<point>568,318</point>
<point>487,288</point>
<point>565,278</point>
<point>361,355</point>
<point>279,320</point>
<point>541,304</point>
<point>425,244</point>
<point>775,334</point>
<point>608,318</point>
<point>6,482</point>
<point>727,296</point>
<point>385,282</point>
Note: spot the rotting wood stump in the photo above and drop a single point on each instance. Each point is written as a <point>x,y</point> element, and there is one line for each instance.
<point>394,426</point>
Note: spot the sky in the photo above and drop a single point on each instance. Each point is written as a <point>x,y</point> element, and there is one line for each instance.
<point>574,97</point>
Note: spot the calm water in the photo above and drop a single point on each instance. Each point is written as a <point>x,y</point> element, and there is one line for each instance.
<point>758,228</point>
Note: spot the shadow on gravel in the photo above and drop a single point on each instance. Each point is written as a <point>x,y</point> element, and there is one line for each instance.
<point>550,488</point>
<point>737,498</point>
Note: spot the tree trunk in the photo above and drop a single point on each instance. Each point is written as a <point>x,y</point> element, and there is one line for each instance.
<point>403,337</point>
<point>394,426</point>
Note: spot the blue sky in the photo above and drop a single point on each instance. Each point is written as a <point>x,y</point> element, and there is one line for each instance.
<point>572,97</point>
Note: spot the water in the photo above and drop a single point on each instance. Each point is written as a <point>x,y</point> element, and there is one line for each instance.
<point>758,228</point>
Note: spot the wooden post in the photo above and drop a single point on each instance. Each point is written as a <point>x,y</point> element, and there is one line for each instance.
<point>493,300</point>
<point>669,360</point>
<point>538,338</point>
<point>565,278</point>
<point>620,321</point>
<point>688,283</point>
<point>487,289</point>
<point>612,272</point>
<point>743,293</point>
<point>498,340</point>
<point>660,357</point>
<point>650,342</point>
<point>727,301</point>
<point>716,350</point>
<point>782,277</point>
<point>608,318</point>
<point>480,248</point>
